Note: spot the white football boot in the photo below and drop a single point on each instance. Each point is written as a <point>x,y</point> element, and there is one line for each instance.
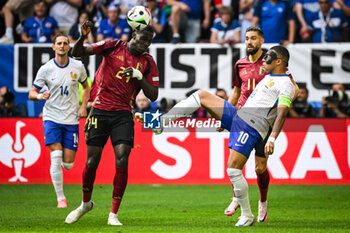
<point>262,214</point>
<point>76,214</point>
<point>6,40</point>
<point>231,209</point>
<point>245,221</point>
<point>113,220</point>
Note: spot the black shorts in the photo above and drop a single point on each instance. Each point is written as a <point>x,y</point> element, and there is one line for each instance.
<point>260,148</point>
<point>101,124</point>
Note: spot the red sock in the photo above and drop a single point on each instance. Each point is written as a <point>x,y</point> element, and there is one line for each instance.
<point>119,183</point>
<point>88,183</point>
<point>263,183</point>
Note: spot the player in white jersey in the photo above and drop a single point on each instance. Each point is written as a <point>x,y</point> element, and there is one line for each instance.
<point>266,107</point>
<point>61,112</point>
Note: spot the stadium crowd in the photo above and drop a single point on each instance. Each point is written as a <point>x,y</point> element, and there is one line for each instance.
<point>175,21</point>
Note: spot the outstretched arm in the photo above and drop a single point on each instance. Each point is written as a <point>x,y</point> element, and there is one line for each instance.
<point>79,49</point>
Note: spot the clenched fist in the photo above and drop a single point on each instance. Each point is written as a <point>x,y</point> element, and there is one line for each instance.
<point>86,28</point>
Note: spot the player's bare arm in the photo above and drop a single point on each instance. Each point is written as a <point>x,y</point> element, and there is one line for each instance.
<point>79,49</point>
<point>235,94</point>
<point>85,94</point>
<point>150,91</point>
<point>282,112</point>
<point>34,94</point>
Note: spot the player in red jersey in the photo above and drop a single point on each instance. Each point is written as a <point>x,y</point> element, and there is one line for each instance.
<point>248,72</point>
<point>126,68</point>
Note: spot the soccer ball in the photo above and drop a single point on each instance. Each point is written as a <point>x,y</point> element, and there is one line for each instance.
<point>139,17</point>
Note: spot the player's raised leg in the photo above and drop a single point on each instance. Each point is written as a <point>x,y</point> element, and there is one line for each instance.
<point>263,178</point>
<point>200,98</point>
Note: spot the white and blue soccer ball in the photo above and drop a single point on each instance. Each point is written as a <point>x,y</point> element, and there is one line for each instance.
<point>139,17</point>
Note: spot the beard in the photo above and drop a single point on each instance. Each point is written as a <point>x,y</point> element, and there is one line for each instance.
<point>252,52</point>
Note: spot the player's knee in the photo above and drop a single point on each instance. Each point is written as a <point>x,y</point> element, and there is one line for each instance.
<point>260,168</point>
<point>67,166</point>
<point>122,154</point>
<point>92,162</point>
<point>234,174</point>
<point>122,161</point>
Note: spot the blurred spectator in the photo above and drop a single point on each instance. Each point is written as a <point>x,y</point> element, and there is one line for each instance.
<point>24,8</point>
<point>300,106</point>
<point>329,24</point>
<point>65,12</point>
<point>191,18</point>
<point>159,21</point>
<point>221,93</point>
<point>336,104</point>
<point>233,4</point>
<point>226,30</point>
<point>39,28</point>
<point>75,30</point>
<point>142,103</point>
<point>113,27</point>
<point>275,18</point>
<point>11,109</point>
<point>126,5</point>
<point>98,10</point>
<point>3,91</point>
<point>166,104</point>
<point>304,10</point>
<point>246,15</point>
<point>344,6</point>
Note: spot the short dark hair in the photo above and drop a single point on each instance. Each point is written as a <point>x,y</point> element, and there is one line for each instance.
<point>58,35</point>
<point>255,29</point>
<point>282,52</point>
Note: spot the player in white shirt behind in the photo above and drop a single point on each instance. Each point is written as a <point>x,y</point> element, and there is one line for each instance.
<point>61,112</point>
<point>266,107</point>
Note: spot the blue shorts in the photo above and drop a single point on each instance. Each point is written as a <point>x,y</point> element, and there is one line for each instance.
<point>228,114</point>
<point>67,135</point>
<point>243,137</point>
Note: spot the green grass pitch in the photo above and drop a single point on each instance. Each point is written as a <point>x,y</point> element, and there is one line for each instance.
<point>175,208</point>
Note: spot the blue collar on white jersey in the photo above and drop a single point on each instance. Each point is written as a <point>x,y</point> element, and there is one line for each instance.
<point>59,65</point>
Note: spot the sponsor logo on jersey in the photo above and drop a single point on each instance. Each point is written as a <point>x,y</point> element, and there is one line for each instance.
<point>121,58</point>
